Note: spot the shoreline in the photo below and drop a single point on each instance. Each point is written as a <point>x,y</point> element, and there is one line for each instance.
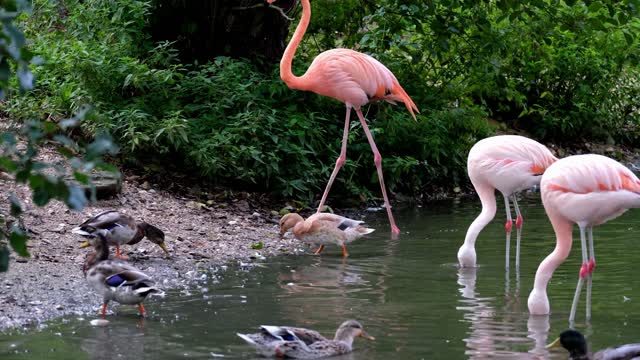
<point>200,237</point>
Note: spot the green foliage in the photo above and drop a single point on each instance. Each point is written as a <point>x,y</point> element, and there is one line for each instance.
<point>12,50</point>
<point>561,70</point>
<point>229,122</point>
<point>545,66</point>
<point>19,149</point>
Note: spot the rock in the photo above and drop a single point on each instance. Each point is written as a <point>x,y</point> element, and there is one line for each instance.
<point>107,184</point>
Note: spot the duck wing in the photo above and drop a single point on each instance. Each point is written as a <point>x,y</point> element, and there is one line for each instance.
<point>308,336</point>
<point>105,220</point>
<point>624,352</point>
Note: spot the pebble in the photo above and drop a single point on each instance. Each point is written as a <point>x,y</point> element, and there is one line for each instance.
<point>99,322</point>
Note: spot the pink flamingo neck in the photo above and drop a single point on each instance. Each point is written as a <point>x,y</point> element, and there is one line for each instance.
<point>487,197</point>
<point>295,82</point>
<point>564,238</point>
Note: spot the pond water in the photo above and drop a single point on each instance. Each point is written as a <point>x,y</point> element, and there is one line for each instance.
<point>408,293</point>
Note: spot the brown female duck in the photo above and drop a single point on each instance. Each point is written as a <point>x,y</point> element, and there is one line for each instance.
<point>323,229</point>
<point>301,343</point>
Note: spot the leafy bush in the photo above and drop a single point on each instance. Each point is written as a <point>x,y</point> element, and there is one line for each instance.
<point>547,67</point>
<point>226,120</point>
<point>19,148</point>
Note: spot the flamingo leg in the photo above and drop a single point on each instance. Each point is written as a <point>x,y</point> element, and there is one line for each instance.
<point>507,226</point>
<point>340,161</point>
<point>378,161</point>
<point>584,271</point>
<point>141,309</point>
<point>344,251</point>
<point>592,264</point>
<point>317,252</point>
<point>519,221</point>
<point>104,309</point>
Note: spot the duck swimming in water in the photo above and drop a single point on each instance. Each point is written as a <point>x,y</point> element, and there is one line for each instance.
<point>301,343</point>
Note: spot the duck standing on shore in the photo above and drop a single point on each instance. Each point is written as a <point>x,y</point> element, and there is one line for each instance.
<point>301,343</point>
<point>120,229</point>
<point>323,229</point>
<point>115,279</point>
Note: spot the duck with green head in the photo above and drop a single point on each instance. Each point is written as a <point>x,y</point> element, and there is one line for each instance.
<point>120,229</point>
<point>576,344</point>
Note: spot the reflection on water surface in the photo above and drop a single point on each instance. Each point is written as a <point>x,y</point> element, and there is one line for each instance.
<point>409,294</point>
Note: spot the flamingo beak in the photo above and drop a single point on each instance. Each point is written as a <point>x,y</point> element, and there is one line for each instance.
<point>366,336</point>
<point>554,344</point>
<point>270,1</point>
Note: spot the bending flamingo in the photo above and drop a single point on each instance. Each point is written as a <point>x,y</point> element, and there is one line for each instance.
<point>352,78</point>
<point>509,164</point>
<point>587,190</point>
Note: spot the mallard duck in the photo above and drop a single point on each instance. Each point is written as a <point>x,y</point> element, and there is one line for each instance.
<point>300,343</point>
<point>115,279</point>
<point>121,229</point>
<point>575,343</point>
<point>324,228</point>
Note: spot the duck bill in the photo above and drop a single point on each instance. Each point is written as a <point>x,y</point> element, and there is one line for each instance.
<point>85,244</point>
<point>554,344</point>
<point>366,336</point>
<point>163,247</point>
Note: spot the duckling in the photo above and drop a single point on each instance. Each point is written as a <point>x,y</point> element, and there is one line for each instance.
<point>121,229</point>
<point>324,228</point>
<point>575,343</point>
<point>301,343</point>
<point>115,279</point>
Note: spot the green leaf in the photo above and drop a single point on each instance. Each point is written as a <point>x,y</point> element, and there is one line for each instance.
<point>77,198</point>
<point>4,258</point>
<point>16,207</point>
<point>257,246</point>
<point>18,241</point>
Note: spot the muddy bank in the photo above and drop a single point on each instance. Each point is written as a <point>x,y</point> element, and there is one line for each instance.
<point>200,237</point>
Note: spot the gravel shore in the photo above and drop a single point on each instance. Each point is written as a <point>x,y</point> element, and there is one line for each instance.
<point>199,235</point>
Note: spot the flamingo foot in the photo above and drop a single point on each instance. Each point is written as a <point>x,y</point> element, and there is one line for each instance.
<point>141,309</point>
<point>317,252</point>
<point>508,226</point>
<point>104,309</point>
<point>591,266</point>
<point>519,221</point>
<point>584,270</point>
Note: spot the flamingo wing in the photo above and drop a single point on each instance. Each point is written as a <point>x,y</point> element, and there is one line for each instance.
<point>355,78</point>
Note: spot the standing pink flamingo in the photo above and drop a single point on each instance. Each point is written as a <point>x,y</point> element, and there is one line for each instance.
<point>586,190</point>
<point>507,163</point>
<point>352,78</point>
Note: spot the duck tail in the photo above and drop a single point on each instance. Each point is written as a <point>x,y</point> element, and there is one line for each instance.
<point>81,231</point>
<point>247,339</point>
<point>365,230</point>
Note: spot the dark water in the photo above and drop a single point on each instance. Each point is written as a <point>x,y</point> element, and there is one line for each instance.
<point>409,294</point>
